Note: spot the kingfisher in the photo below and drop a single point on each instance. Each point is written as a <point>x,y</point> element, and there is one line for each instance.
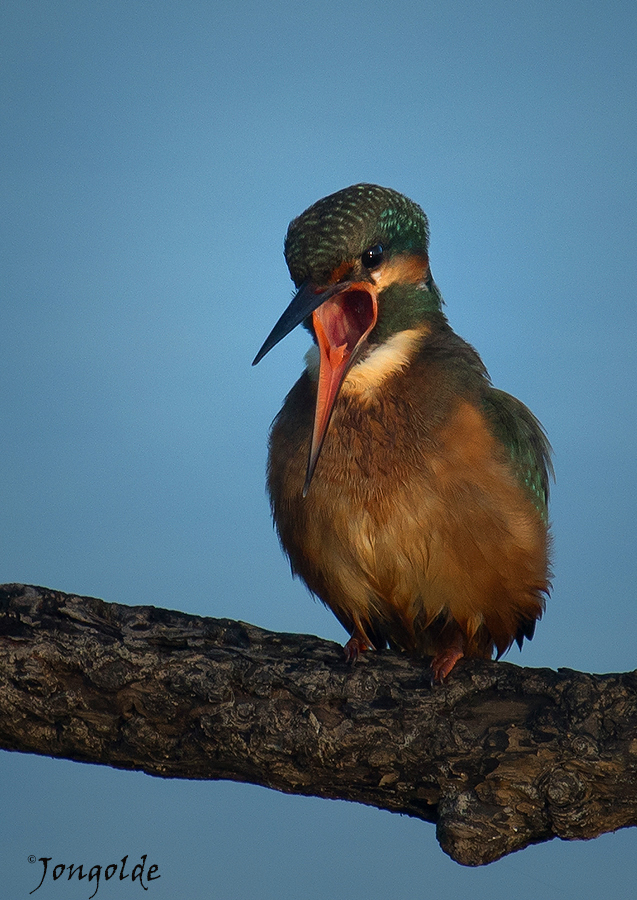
<point>409,494</point>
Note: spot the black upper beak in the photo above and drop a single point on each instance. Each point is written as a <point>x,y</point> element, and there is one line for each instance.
<point>305,301</point>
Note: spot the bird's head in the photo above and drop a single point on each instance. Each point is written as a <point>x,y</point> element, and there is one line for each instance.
<point>359,260</point>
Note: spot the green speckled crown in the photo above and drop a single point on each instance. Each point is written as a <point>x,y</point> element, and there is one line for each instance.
<point>346,223</point>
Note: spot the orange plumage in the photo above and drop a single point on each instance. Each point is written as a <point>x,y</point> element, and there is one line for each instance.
<point>421,520</point>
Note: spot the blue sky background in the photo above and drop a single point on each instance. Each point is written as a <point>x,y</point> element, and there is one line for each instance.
<point>153,154</point>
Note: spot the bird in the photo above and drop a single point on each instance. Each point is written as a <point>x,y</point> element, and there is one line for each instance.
<point>409,494</point>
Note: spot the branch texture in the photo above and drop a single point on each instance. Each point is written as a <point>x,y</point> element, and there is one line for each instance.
<point>499,757</point>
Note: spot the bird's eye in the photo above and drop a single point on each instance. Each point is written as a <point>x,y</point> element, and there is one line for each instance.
<point>373,256</point>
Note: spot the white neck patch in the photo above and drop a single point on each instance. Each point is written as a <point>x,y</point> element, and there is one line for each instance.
<point>386,359</point>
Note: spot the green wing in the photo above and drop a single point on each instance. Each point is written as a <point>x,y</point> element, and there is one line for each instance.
<point>521,433</point>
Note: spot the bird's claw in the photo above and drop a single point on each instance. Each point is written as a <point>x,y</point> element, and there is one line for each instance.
<point>443,663</point>
<point>356,645</point>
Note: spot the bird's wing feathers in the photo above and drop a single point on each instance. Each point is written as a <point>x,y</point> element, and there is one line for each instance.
<point>525,439</point>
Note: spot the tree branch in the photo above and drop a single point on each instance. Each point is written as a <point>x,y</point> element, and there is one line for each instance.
<point>499,757</point>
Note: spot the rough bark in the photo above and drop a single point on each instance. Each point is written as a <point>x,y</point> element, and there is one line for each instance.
<point>499,757</point>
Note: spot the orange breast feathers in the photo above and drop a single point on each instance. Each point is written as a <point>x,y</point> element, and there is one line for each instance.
<point>415,530</point>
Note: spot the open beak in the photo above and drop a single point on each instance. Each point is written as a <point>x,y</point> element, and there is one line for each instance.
<point>343,316</point>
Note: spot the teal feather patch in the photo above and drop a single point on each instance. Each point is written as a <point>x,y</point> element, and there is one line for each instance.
<point>340,227</point>
<point>525,439</point>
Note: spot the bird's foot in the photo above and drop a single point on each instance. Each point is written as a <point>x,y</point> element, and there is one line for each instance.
<point>356,645</point>
<point>444,661</point>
